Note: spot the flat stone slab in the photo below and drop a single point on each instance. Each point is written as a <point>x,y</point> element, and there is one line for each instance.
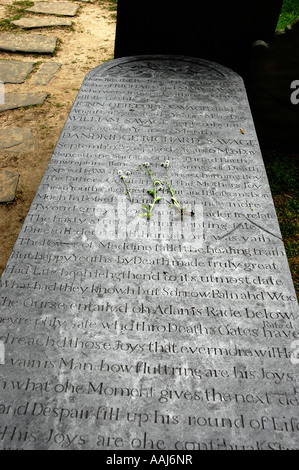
<point>55,8</point>
<point>45,73</point>
<point>174,332</point>
<point>14,71</point>
<point>19,100</point>
<point>39,22</point>
<point>8,185</point>
<point>31,43</point>
<point>17,140</point>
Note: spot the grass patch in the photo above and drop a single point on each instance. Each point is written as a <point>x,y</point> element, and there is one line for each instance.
<point>14,12</point>
<point>289,13</point>
<point>111,5</point>
<point>282,171</point>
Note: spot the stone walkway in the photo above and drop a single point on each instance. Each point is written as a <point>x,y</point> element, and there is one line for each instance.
<point>18,140</point>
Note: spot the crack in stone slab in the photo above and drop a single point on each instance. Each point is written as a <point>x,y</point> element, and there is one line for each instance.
<point>262,228</point>
<point>251,222</point>
<point>229,233</point>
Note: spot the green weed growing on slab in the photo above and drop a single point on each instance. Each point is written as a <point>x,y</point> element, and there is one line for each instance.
<point>126,182</point>
<point>157,186</point>
<point>175,204</point>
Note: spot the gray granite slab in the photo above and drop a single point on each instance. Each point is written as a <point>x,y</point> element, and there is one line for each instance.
<point>55,8</point>
<point>19,100</point>
<point>32,43</point>
<point>8,185</point>
<point>45,73</point>
<point>14,71</point>
<point>17,140</point>
<point>173,332</point>
<point>39,22</point>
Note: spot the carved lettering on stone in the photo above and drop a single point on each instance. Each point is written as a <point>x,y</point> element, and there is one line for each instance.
<point>177,332</point>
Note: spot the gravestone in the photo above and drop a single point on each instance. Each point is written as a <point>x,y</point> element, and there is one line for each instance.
<point>173,332</point>
<point>218,31</point>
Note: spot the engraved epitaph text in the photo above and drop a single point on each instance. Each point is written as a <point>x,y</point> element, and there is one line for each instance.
<point>126,333</point>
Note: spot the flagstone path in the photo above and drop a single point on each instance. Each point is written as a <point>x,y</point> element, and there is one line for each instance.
<point>81,34</point>
<point>12,71</point>
<point>38,22</point>
<point>55,8</point>
<point>15,71</point>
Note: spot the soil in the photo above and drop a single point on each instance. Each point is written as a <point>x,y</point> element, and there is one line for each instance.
<point>90,43</point>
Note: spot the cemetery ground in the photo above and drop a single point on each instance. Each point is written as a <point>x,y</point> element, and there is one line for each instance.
<point>80,47</point>
<point>88,42</point>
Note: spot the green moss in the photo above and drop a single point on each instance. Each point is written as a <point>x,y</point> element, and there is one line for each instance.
<point>289,13</point>
<point>282,171</point>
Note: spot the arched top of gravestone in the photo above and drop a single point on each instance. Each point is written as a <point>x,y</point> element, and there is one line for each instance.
<point>161,66</point>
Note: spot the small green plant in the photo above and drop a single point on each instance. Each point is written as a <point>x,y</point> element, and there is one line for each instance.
<point>157,186</point>
<point>126,182</point>
<point>289,13</point>
<point>176,205</point>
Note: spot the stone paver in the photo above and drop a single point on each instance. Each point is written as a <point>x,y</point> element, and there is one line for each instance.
<point>14,71</point>
<point>55,8</point>
<point>17,140</point>
<point>39,22</point>
<point>33,43</point>
<point>45,73</point>
<point>18,100</point>
<point>8,185</point>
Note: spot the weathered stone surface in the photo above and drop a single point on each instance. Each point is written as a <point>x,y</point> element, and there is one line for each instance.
<point>19,100</point>
<point>33,43</point>
<point>17,140</point>
<point>55,8</point>
<point>8,185</point>
<point>45,73</point>
<point>178,332</point>
<point>14,71</point>
<point>39,22</point>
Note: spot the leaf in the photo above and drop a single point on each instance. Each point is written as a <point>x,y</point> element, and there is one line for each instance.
<point>157,199</point>
<point>143,214</point>
<point>145,207</point>
<point>151,192</point>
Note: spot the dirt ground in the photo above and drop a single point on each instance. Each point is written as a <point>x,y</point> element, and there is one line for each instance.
<point>88,45</point>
